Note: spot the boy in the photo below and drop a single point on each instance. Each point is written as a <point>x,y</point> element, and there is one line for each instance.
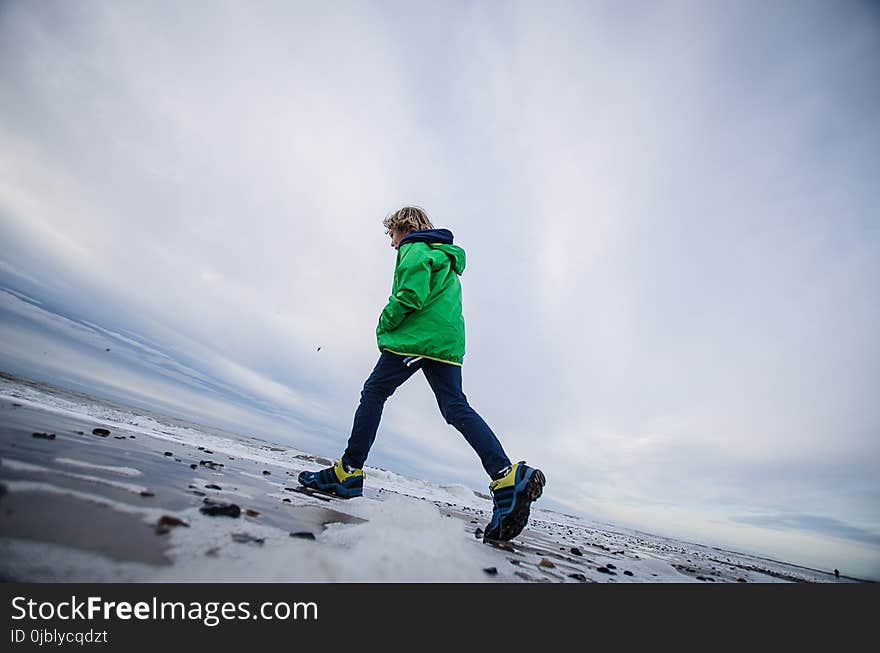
<point>422,328</point>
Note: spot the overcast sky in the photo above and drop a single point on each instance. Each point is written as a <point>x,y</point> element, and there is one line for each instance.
<point>669,212</point>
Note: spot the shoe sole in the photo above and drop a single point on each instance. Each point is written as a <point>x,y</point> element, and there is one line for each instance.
<point>514,523</point>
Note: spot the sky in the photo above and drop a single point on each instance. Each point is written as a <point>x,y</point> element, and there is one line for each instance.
<point>668,210</point>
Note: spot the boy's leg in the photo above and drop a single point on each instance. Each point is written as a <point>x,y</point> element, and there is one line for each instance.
<point>388,375</point>
<point>445,381</point>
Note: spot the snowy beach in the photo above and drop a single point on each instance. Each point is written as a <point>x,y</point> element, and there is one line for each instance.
<point>96,491</point>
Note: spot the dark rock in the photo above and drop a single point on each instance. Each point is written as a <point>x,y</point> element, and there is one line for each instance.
<point>44,436</point>
<point>579,577</point>
<point>741,580</point>
<point>102,432</point>
<point>119,437</point>
<point>610,566</point>
<point>167,522</point>
<point>478,532</point>
<point>208,451</point>
<point>131,437</point>
<point>80,433</point>
<point>546,563</point>
<point>219,509</point>
<point>201,448</point>
<point>266,472</point>
<point>199,493</point>
<point>168,453</point>
<point>604,570</point>
<point>213,486</point>
<point>108,349</point>
<point>303,535</point>
<point>627,573</point>
<point>16,405</point>
<point>285,500</point>
<point>492,571</point>
<point>246,538</point>
<point>251,512</point>
<point>576,551</point>
<point>147,493</point>
<point>193,466</point>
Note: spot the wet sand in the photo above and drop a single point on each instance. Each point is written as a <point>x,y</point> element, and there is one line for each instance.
<point>79,506</point>
<point>105,494</point>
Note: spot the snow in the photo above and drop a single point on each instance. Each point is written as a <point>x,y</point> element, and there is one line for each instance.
<point>402,530</point>
<point>17,465</point>
<point>123,471</point>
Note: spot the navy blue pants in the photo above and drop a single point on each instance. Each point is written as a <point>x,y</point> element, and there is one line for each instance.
<point>445,380</point>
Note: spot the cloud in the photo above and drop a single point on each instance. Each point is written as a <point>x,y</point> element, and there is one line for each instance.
<point>812,523</point>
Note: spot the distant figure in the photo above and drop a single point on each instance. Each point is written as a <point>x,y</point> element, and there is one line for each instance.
<point>421,328</point>
<point>837,574</point>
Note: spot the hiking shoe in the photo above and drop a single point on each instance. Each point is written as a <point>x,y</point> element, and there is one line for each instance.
<point>335,480</point>
<point>512,495</point>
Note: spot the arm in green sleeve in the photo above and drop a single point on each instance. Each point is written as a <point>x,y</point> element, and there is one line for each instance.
<point>413,277</point>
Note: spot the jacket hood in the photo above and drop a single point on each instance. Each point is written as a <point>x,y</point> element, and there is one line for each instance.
<point>429,236</point>
<point>441,240</point>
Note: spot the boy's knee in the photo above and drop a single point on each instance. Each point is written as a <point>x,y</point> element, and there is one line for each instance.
<point>454,411</point>
<point>374,392</point>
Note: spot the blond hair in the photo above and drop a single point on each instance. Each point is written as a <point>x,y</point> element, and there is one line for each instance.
<point>407,220</point>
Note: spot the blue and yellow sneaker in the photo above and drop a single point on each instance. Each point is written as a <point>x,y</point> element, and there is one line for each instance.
<point>335,480</point>
<point>512,495</point>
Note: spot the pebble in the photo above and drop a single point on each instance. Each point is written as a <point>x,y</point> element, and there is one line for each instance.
<point>167,522</point>
<point>44,436</point>
<point>303,535</point>
<point>218,509</point>
<point>102,432</point>
<point>246,538</point>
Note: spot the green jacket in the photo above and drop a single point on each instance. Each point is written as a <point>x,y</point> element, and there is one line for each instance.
<point>423,315</point>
